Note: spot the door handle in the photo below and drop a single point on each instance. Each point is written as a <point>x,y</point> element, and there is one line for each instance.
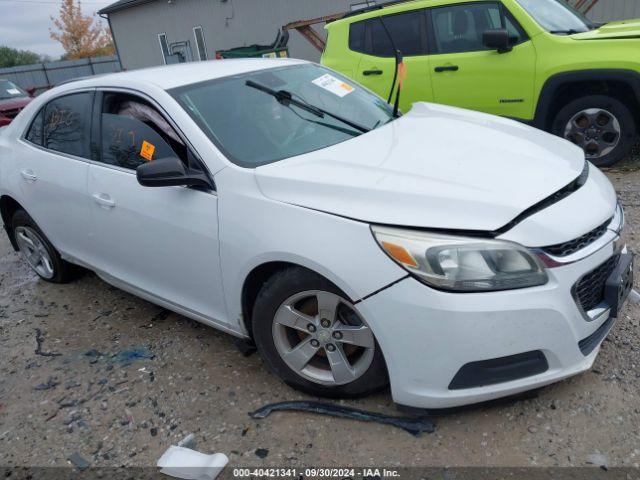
<point>104,200</point>
<point>447,68</point>
<point>368,73</point>
<point>28,175</point>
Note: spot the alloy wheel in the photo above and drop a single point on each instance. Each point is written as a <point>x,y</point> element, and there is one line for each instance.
<point>595,130</point>
<point>34,250</point>
<point>322,338</point>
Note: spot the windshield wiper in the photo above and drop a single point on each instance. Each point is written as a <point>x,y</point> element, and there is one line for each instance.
<point>286,98</point>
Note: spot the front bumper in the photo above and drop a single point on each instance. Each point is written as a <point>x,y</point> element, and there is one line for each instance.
<point>427,336</point>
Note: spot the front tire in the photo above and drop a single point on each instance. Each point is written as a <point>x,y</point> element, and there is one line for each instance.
<point>38,251</point>
<point>311,336</point>
<point>601,125</point>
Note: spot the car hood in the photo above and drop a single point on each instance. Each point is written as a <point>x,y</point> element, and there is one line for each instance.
<point>621,29</point>
<point>437,166</point>
<point>13,103</point>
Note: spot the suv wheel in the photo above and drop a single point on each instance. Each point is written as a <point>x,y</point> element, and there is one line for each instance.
<point>602,126</point>
<point>312,337</point>
<point>37,250</point>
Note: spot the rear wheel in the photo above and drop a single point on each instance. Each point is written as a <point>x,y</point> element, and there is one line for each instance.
<point>602,126</point>
<point>38,251</point>
<point>313,338</point>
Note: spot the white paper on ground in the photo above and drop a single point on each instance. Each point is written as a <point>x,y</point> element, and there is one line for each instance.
<point>188,464</point>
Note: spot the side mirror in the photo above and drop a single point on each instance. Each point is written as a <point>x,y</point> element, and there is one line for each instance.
<point>170,172</point>
<point>31,91</point>
<point>497,39</point>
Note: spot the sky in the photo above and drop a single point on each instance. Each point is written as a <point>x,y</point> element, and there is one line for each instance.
<point>24,24</point>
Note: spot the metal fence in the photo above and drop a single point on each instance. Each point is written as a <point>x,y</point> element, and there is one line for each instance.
<point>42,76</point>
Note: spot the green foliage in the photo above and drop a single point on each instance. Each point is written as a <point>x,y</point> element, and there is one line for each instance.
<point>11,57</point>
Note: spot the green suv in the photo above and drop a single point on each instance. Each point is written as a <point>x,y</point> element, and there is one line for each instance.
<point>537,61</point>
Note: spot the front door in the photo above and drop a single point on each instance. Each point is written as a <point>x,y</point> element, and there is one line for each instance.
<point>466,74</point>
<point>161,241</point>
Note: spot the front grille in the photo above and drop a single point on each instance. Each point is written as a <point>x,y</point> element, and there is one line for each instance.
<point>589,291</point>
<point>13,113</point>
<point>572,246</point>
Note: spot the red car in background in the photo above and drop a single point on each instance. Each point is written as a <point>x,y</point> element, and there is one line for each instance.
<point>12,100</point>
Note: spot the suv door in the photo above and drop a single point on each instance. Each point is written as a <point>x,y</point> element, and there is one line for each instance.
<point>54,156</point>
<point>162,242</point>
<point>377,62</point>
<point>466,74</point>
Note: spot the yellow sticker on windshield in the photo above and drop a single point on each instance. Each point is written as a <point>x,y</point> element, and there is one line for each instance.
<point>147,150</point>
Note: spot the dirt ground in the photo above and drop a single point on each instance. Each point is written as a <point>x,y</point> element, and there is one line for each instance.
<point>128,379</point>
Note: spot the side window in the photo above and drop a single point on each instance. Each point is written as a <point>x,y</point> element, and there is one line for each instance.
<point>134,132</point>
<point>459,28</point>
<point>406,29</point>
<point>34,135</point>
<point>356,37</point>
<point>67,124</point>
<point>164,46</point>
<point>200,45</point>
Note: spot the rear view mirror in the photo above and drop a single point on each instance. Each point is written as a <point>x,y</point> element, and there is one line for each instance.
<point>170,172</point>
<point>497,39</point>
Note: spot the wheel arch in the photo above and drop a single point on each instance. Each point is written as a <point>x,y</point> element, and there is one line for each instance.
<point>8,206</point>
<point>561,88</point>
<point>258,276</point>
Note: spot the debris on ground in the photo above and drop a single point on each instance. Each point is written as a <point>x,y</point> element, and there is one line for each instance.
<point>49,384</point>
<point>261,452</point>
<point>599,460</point>
<point>78,461</point>
<point>180,462</point>
<point>415,426</point>
<point>39,342</point>
<point>188,442</point>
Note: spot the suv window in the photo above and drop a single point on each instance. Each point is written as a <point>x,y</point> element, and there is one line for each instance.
<point>406,29</point>
<point>67,124</point>
<point>133,132</point>
<point>459,28</point>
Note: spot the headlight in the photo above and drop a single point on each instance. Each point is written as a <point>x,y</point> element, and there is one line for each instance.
<point>461,264</point>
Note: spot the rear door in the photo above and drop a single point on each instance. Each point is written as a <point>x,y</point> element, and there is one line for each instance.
<point>161,241</point>
<point>466,74</point>
<point>54,158</point>
<point>377,63</point>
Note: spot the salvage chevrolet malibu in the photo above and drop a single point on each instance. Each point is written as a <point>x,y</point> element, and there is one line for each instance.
<point>454,255</point>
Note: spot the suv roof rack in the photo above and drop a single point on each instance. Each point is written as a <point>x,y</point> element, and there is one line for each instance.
<point>371,6</point>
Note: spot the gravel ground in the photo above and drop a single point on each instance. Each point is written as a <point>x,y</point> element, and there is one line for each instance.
<point>125,379</point>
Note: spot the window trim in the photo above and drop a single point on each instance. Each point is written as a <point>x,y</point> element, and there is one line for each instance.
<point>96,134</point>
<point>162,50</point>
<point>42,109</point>
<point>505,14</point>
<point>204,44</point>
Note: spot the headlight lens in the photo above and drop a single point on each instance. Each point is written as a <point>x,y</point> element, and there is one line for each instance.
<point>461,264</point>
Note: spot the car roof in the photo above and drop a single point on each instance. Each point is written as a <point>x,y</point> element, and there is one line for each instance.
<point>171,76</point>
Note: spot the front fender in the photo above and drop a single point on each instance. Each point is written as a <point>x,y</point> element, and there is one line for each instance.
<point>255,230</point>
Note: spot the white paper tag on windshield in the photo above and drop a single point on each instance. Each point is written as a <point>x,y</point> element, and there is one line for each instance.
<point>13,91</point>
<point>333,85</point>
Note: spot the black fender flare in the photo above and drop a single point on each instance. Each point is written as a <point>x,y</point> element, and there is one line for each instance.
<point>553,83</point>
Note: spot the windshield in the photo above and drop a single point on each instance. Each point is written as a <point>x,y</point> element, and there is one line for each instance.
<point>10,90</point>
<point>556,16</point>
<point>253,128</point>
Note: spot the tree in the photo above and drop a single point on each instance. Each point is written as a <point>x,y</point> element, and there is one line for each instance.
<point>11,57</point>
<point>79,35</point>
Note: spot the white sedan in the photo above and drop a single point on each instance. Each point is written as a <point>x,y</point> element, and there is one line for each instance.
<point>454,255</point>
